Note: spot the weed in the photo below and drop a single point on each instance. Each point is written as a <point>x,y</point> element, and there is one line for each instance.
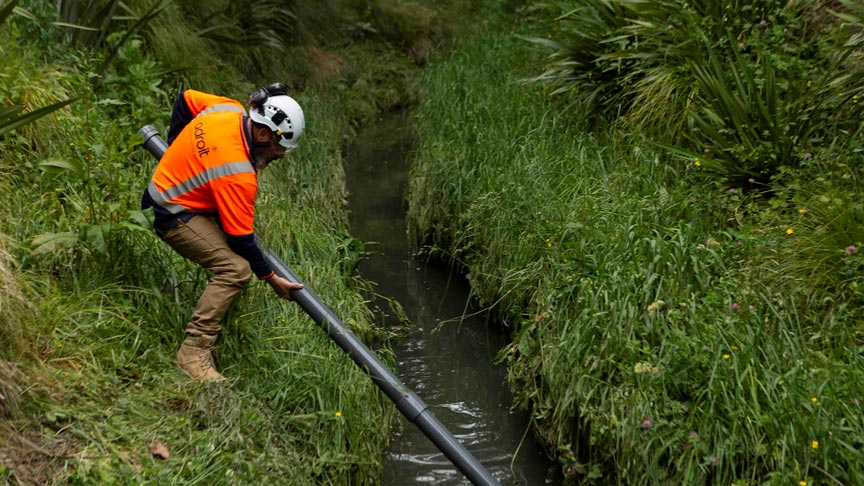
<point>667,327</point>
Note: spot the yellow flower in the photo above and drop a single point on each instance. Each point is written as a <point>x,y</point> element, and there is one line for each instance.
<point>645,367</point>
<point>814,399</point>
<point>734,348</point>
<point>726,356</point>
<point>789,231</point>
<point>814,444</point>
<point>802,483</point>
<point>697,163</point>
<point>338,414</point>
<point>656,305</point>
<point>802,211</point>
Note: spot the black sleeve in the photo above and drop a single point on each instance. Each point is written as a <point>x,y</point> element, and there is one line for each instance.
<point>246,247</point>
<point>180,117</point>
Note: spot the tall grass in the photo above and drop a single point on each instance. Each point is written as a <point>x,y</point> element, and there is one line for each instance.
<point>94,306</point>
<point>747,87</point>
<point>660,333</point>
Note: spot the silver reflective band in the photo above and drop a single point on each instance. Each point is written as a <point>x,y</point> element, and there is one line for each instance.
<point>221,108</point>
<point>158,199</point>
<point>194,182</point>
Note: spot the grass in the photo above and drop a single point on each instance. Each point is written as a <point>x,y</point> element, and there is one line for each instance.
<point>665,328</point>
<point>99,341</point>
<point>729,84</point>
<point>94,306</point>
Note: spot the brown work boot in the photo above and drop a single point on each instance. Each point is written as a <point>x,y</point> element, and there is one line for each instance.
<point>195,360</point>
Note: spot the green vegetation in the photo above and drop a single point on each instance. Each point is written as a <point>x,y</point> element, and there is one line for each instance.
<point>675,320</point>
<point>749,86</point>
<point>93,305</point>
<point>665,209</point>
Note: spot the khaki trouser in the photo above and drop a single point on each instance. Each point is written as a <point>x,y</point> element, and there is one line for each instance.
<point>201,241</point>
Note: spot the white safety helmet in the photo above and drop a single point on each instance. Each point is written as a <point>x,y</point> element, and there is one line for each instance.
<point>270,106</point>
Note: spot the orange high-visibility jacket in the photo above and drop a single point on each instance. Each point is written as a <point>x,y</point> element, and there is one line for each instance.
<point>208,166</point>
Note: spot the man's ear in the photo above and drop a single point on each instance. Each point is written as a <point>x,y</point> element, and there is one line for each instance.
<point>257,135</point>
<point>261,134</point>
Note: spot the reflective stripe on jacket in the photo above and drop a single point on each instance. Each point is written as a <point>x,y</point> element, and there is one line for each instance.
<point>201,103</point>
<point>208,166</point>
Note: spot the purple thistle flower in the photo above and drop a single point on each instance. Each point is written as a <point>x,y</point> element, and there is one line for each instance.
<point>670,27</point>
<point>850,250</point>
<point>808,155</point>
<point>735,306</point>
<point>646,424</point>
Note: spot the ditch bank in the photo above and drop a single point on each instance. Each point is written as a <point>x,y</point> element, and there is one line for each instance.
<point>445,355</point>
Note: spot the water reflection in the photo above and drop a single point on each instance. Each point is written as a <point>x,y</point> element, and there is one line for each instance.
<point>446,356</point>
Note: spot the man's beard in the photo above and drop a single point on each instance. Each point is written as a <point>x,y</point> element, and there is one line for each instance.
<point>262,161</point>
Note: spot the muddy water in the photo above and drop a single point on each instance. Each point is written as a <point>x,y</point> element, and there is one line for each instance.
<point>446,355</point>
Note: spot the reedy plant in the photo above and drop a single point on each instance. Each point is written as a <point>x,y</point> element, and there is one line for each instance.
<point>575,67</point>
<point>88,25</point>
<point>655,341</point>
<point>249,32</point>
<point>106,307</point>
<point>751,118</point>
<point>90,220</point>
<point>7,9</point>
<point>14,99</point>
<point>745,83</point>
<point>97,339</point>
<point>258,41</point>
<point>11,117</point>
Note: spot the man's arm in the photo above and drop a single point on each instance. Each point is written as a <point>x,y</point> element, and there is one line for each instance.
<point>246,247</point>
<point>181,115</point>
<point>236,203</point>
<point>282,286</point>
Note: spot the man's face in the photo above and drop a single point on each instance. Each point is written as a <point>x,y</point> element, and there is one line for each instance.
<point>266,154</point>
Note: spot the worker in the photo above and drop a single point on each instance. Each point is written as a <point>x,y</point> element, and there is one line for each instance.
<point>203,196</point>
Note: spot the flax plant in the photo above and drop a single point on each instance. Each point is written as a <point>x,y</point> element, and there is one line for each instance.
<point>658,331</point>
<point>764,80</point>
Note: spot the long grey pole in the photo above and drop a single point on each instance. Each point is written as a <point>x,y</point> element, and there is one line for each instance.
<point>407,402</point>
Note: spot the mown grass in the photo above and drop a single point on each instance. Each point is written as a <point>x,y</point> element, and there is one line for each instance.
<point>667,329</point>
